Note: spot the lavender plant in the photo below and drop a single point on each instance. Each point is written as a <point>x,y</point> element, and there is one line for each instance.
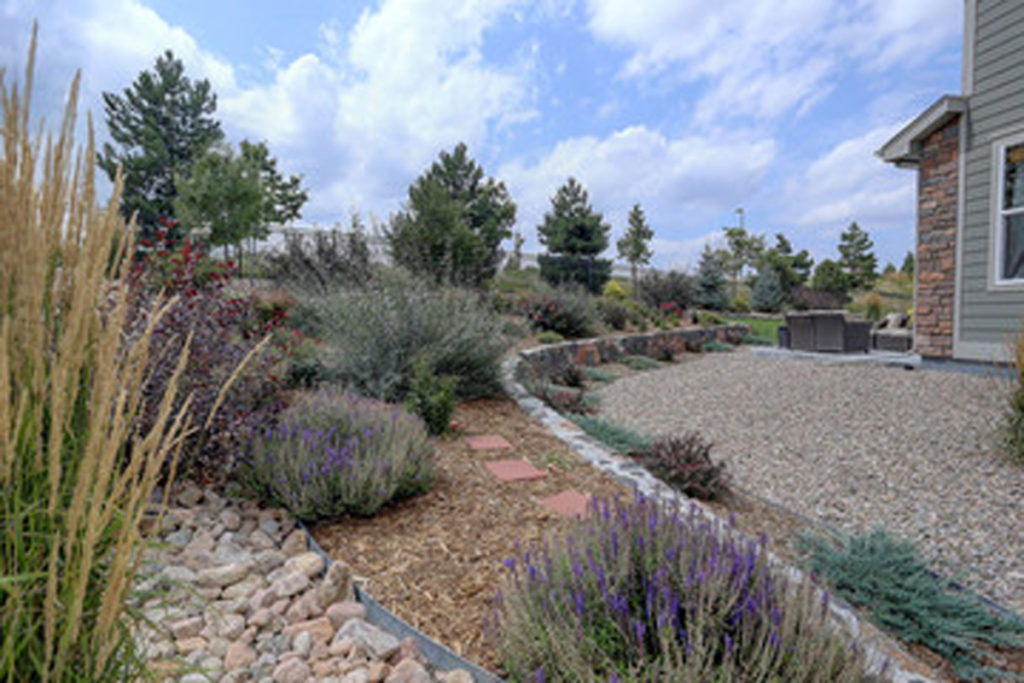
<point>644,593</point>
<point>335,454</point>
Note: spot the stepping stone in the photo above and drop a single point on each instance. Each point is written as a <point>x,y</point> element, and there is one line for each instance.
<point>570,503</point>
<point>488,442</point>
<point>513,470</point>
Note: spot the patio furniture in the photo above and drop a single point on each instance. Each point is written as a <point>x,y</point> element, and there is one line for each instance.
<point>828,331</point>
<point>893,333</point>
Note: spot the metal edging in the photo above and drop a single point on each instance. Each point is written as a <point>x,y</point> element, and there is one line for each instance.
<point>437,655</point>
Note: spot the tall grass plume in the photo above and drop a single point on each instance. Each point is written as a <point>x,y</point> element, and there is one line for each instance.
<point>75,475</point>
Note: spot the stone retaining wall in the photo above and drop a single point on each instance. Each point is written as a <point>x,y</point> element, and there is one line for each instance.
<point>554,357</point>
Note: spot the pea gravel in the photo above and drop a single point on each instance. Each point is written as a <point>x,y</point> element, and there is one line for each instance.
<point>855,446</point>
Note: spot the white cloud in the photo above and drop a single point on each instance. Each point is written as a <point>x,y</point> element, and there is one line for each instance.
<point>849,183</point>
<point>676,180</point>
<point>765,58</point>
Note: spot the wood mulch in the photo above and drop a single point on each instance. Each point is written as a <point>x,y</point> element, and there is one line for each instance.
<point>436,560</point>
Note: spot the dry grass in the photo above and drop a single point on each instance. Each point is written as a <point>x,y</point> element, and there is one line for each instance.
<point>75,476</point>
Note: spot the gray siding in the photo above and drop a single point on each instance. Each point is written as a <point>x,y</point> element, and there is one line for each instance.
<point>996,110</point>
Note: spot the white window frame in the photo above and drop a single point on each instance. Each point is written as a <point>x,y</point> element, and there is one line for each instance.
<point>998,187</point>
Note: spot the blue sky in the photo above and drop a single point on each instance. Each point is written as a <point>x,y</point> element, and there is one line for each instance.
<point>690,108</point>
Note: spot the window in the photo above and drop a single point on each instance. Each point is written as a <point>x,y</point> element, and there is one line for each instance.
<point>1010,217</point>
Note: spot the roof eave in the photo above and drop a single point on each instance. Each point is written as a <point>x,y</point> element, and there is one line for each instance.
<point>903,149</point>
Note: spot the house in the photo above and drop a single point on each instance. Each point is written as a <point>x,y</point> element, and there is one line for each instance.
<point>968,150</point>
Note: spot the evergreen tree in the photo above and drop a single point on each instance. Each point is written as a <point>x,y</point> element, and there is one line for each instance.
<point>767,295</point>
<point>792,269</point>
<point>515,259</point>
<point>453,224</point>
<point>159,126</point>
<point>711,283</point>
<point>634,246</point>
<point>830,277</point>
<point>856,258</point>
<point>574,235</point>
<point>908,263</point>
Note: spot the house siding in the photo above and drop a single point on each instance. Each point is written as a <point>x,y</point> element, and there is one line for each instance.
<point>989,316</point>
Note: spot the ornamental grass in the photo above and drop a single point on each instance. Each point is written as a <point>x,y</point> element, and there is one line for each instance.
<point>75,474</point>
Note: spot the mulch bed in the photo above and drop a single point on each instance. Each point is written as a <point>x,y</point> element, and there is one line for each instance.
<point>436,560</point>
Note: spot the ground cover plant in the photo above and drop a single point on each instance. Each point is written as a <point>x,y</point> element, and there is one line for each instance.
<point>889,578</point>
<point>72,493</point>
<point>715,346</point>
<point>641,592</point>
<point>337,454</point>
<point>640,363</point>
<point>615,437</point>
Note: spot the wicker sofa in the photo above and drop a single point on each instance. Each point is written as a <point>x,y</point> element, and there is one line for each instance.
<point>828,331</point>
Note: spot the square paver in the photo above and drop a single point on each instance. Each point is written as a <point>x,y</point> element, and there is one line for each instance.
<point>488,442</point>
<point>513,470</point>
<point>570,503</point>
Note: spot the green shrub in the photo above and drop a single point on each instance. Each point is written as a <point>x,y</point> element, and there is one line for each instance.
<point>740,303</point>
<point>614,313</point>
<point>890,579</point>
<point>568,311</point>
<point>617,438</point>
<point>640,363</point>
<point>372,335</point>
<point>640,592</point>
<point>615,291</point>
<point>673,287</point>
<point>709,319</point>
<point>431,396</point>
<point>550,337</point>
<point>598,375</point>
<point>335,454</point>
<point>684,462</point>
<point>715,346</point>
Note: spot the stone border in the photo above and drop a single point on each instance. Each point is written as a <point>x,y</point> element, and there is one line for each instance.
<point>555,357</point>
<point>439,657</point>
<point>881,652</point>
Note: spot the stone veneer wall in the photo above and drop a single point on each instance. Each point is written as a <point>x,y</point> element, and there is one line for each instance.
<point>936,242</point>
<point>554,357</point>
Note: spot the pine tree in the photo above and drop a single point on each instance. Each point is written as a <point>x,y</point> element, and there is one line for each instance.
<point>908,263</point>
<point>711,283</point>
<point>160,125</point>
<point>283,198</point>
<point>791,269</point>
<point>634,246</point>
<point>856,258</point>
<point>453,224</point>
<point>574,235</point>
<point>830,277</point>
<point>767,295</point>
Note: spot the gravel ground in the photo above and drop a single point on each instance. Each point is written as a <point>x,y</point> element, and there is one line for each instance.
<point>855,446</point>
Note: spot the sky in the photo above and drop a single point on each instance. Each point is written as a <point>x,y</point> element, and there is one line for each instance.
<point>692,109</point>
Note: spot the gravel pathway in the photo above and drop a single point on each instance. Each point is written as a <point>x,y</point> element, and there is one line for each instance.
<point>855,446</point>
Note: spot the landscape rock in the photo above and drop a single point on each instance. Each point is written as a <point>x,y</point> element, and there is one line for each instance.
<point>337,584</point>
<point>408,671</point>
<point>292,671</point>
<point>290,584</point>
<point>377,643</point>
<point>224,575</point>
<point>308,563</point>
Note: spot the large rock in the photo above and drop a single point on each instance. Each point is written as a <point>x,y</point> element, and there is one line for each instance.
<point>292,671</point>
<point>309,564</point>
<point>341,612</point>
<point>224,575</point>
<point>336,584</point>
<point>290,584</point>
<point>408,671</point>
<point>377,643</point>
<point>320,629</point>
